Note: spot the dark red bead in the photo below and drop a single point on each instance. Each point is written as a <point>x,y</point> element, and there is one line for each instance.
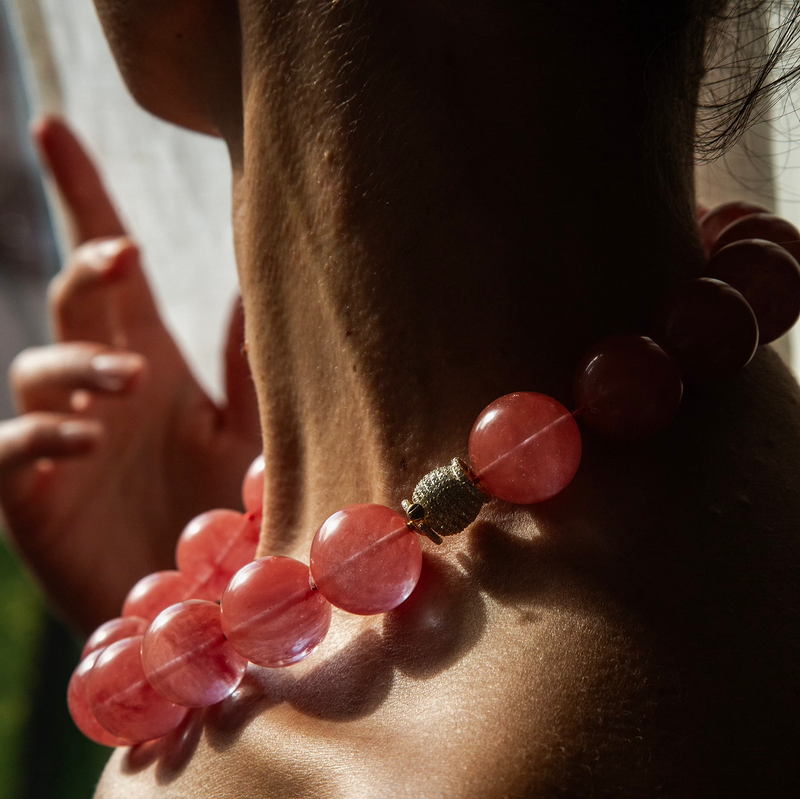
<point>713,222</point>
<point>627,388</point>
<point>708,328</point>
<point>761,226</point>
<point>768,277</point>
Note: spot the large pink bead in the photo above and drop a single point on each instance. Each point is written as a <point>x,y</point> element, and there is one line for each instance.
<point>270,613</point>
<point>113,630</point>
<point>158,591</point>
<point>761,226</point>
<point>79,709</point>
<point>365,560</point>
<point>122,699</point>
<point>768,277</point>
<point>709,328</point>
<point>214,546</point>
<point>186,657</point>
<point>253,487</point>
<point>525,447</point>
<point>713,222</point>
<point>627,388</point>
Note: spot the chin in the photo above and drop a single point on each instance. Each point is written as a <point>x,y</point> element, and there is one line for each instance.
<point>178,58</point>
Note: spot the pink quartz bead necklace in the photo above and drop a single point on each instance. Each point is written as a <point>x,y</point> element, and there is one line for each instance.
<point>186,637</point>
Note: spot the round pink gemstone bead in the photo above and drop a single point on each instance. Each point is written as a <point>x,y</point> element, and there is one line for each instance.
<point>768,277</point>
<point>365,560</point>
<point>113,630</point>
<point>79,709</point>
<point>122,699</point>
<point>628,388</point>
<point>186,657</point>
<point>713,222</point>
<point>761,226</point>
<point>158,591</point>
<point>270,613</point>
<point>525,448</point>
<point>709,328</point>
<point>214,546</point>
<point>253,487</point>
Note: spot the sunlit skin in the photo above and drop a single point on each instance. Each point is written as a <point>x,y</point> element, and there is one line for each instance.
<point>438,203</point>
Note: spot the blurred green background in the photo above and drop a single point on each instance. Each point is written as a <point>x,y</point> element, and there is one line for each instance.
<point>42,754</point>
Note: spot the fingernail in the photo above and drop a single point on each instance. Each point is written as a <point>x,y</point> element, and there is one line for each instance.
<point>80,432</point>
<point>101,254</point>
<point>80,400</point>
<point>113,371</point>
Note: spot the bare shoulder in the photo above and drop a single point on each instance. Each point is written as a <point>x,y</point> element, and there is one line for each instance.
<point>638,636</point>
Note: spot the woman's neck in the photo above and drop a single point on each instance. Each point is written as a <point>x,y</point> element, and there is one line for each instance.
<point>426,221</point>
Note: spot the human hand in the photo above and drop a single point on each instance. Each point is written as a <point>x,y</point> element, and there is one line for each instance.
<point>117,445</point>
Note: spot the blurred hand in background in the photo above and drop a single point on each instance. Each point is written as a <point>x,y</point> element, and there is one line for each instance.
<point>117,445</point>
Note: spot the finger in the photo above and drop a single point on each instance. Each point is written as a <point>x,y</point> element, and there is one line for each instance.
<point>44,378</point>
<point>29,444</point>
<point>28,438</point>
<point>87,202</point>
<point>241,414</point>
<point>135,306</point>
<point>82,295</point>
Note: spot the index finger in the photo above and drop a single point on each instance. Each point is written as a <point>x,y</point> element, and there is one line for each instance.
<point>88,205</point>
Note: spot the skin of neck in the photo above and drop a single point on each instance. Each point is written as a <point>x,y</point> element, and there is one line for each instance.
<point>429,216</point>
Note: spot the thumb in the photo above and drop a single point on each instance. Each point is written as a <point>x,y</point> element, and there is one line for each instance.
<point>242,410</point>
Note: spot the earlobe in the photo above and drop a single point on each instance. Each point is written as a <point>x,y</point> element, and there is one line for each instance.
<point>179,58</point>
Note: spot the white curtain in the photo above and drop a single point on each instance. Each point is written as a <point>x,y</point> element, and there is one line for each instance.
<point>172,186</point>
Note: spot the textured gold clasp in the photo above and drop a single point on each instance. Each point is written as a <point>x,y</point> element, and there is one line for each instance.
<point>445,501</point>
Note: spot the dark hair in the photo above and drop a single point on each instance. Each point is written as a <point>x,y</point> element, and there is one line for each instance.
<point>752,60</point>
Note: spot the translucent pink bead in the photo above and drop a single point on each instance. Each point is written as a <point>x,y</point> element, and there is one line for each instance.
<point>270,613</point>
<point>122,699</point>
<point>79,709</point>
<point>158,591</point>
<point>627,388</point>
<point>761,226</point>
<point>708,328</point>
<point>214,546</point>
<point>768,277</point>
<point>113,630</point>
<point>713,222</point>
<point>525,448</point>
<point>365,560</point>
<point>253,487</point>
<point>186,657</point>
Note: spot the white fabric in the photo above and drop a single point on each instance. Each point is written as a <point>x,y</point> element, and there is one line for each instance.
<point>172,186</point>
